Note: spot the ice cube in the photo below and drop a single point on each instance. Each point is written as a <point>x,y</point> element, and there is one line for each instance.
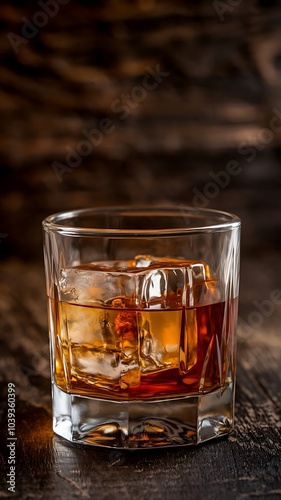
<point>96,285</point>
<point>87,325</point>
<point>101,344</point>
<point>100,363</point>
<point>141,261</point>
<point>159,337</point>
<point>146,282</point>
<point>161,288</point>
<point>123,318</point>
<point>169,282</point>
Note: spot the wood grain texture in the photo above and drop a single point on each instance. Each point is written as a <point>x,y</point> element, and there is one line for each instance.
<point>246,465</point>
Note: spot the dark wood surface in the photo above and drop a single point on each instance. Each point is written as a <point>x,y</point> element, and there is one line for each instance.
<point>224,82</point>
<point>246,465</point>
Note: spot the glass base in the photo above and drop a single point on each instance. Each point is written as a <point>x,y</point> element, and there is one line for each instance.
<point>181,421</point>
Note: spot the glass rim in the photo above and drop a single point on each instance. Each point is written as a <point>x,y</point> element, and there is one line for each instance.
<point>54,222</point>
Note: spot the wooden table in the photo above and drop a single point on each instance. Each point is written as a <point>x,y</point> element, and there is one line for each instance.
<point>246,465</point>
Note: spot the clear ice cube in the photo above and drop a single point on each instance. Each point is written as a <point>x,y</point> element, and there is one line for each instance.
<point>159,338</point>
<point>145,282</point>
<point>113,315</point>
<point>101,345</point>
<point>92,285</point>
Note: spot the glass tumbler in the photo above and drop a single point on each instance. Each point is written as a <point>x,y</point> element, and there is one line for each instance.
<point>142,311</point>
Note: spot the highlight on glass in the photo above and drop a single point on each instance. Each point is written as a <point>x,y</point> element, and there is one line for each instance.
<point>142,310</point>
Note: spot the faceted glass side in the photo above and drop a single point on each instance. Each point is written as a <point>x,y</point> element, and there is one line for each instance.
<point>143,353</point>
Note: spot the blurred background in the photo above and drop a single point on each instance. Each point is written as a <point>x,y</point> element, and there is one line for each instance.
<point>142,102</point>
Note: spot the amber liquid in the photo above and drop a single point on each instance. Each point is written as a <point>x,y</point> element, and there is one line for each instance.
<point>137,354</point>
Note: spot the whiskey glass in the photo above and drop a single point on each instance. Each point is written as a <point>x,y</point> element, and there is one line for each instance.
<point>142,312</point>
